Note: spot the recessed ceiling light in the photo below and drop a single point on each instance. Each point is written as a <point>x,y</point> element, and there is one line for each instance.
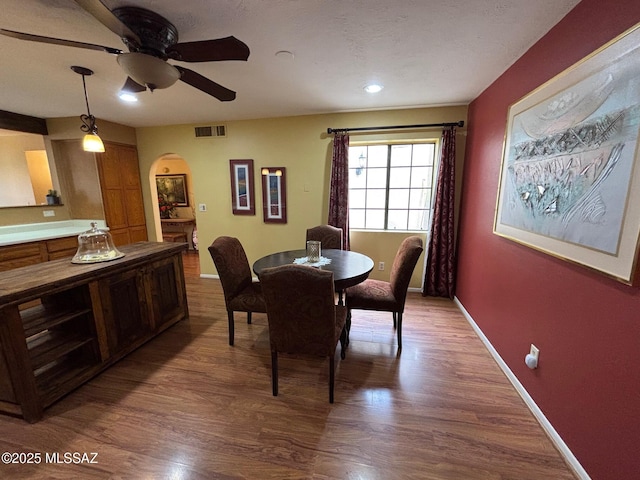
<point>127,97</point>
<point>373,88</point>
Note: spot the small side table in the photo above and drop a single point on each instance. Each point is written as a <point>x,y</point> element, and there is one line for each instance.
<point>181,226</point>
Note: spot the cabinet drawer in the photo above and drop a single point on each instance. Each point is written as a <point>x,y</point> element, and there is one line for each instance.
<point>60,244</point>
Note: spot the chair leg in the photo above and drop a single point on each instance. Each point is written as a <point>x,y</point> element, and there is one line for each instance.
<point>230,317</point>
<point>331,376</point>
<point>399,330</point>
<point>347,327</point>
<point>343,341</point>
<point>249,318</point>
<point>394,319</point>
<point>274,372</point>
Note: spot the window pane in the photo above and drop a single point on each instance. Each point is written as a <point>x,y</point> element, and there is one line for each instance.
<point>423,154</point>
<point>354,156</point>
<point>397,220</point>
<point>418,219</point>
<point>421,177</point>
<point>357,181</point>
<point>400,155</point>
<point>357,198</point>
<point>356,218</point>
<point>375,219</point>
<point>377,156</point>
<point>377,178</point>
<point>376,198</point>
<point>420,198</point>
<point>400,177</point>
<point>399,198</point>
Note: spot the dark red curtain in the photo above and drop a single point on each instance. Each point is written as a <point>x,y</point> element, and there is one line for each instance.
<point>339,193</point>
<point>439,279</point>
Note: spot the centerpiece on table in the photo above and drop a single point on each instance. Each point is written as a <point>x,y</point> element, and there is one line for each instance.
<point>167,208</point>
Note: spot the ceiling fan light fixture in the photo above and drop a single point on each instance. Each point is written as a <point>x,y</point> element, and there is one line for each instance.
<point>148,71</point>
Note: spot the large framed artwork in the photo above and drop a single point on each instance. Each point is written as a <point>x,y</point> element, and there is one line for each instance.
<point>173,189</point>
<point>242,197</point>
<point>570,179</point>
<point>274,195</point>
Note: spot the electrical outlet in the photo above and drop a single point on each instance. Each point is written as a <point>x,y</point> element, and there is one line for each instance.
<point>49,213</point>
<point>534,352</point>
<point>202,207</point>
<point>380,265</point>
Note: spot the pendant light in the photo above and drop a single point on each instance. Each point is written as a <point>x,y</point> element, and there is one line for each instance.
<point>91,141</point>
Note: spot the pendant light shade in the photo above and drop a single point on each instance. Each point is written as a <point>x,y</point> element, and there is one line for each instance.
<point>91,141</point>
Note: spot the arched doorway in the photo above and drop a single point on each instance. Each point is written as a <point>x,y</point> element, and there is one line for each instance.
<point>171,184</point>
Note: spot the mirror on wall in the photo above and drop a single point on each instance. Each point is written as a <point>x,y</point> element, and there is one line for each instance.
<point>26,175</point>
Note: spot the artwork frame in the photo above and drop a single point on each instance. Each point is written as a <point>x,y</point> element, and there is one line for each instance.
<point>274,194</point>
<point>242,187</point>
<point>570,174</point>
<point>173,188</point>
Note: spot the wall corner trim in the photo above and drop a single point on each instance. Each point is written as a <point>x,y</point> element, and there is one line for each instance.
<point>569,457</point>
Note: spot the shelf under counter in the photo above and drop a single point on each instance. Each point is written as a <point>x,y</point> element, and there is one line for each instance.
<point>63,323</point>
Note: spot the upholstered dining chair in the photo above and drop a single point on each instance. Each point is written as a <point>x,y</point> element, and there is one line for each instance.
<point>328,235</point>
<point>241,293</point>
<point>387,296</point>
<point>302,315</point>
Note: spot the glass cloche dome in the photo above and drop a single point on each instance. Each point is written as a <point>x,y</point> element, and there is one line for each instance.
<point>94,246</point>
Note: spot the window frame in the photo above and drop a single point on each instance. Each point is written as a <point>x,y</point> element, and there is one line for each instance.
<point>389,144</point>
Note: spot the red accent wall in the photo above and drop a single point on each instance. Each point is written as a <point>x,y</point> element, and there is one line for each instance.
<point>586,325</point>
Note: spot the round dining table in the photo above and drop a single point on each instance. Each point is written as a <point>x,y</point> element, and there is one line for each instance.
<point>349,268</point>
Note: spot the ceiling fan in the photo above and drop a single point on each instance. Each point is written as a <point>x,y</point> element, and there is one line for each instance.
<point>152,40</point>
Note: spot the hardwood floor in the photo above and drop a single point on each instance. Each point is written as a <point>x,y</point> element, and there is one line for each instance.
<point>188,406</point>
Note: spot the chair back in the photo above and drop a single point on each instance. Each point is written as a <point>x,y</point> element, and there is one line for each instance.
<point>300,309</point>
<point>328,235</point>
<point>231,262</point>
<point>403,265</point>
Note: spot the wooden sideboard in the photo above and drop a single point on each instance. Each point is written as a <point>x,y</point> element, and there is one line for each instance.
<point>62,323</point>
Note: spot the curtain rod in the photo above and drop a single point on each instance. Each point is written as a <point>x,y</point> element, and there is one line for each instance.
<point>396,127</point>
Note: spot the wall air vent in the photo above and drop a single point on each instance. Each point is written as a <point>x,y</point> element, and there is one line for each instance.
<point>211,131</point>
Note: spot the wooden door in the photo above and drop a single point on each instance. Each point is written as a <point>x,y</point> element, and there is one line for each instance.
<point>122,193</point>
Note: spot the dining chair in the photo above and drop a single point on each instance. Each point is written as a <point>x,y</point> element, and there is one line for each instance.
<point>241,293</point>
<point>328,235</point>
<point>387,296</point>
<point>302,315</point>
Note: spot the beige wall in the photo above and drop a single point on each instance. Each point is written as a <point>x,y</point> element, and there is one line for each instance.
<point>302,146</point>
<point>62,129</point>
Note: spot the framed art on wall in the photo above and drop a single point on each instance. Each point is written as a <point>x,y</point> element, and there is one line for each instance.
<point>173,189</point>
<point>242,196</point>
<point>274,195</point>
<point>570,179</point>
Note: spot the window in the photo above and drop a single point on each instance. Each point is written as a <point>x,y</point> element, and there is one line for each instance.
<point>390,186</point>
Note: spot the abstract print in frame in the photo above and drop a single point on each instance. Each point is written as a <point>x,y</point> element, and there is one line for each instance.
<point>274,195</point>
<point>242,196</point>
<point>570,179</point>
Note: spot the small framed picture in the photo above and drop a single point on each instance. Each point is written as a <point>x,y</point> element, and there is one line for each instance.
<point>242,196</point>
<point>274,194</point>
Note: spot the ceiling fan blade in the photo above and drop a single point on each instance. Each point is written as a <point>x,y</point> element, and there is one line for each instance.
<point>109,20</point>
<point>228,48</point>
<point>132,86</point>
<point>207,86</point>
<point>59,41</point>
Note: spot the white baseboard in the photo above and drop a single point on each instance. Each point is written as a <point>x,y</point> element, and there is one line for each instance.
<point>544,423</point>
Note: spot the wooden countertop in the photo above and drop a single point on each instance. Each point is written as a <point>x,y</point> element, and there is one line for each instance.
<point>33,281</point>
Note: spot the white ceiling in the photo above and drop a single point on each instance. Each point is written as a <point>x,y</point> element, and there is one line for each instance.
<point>425,52</point>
